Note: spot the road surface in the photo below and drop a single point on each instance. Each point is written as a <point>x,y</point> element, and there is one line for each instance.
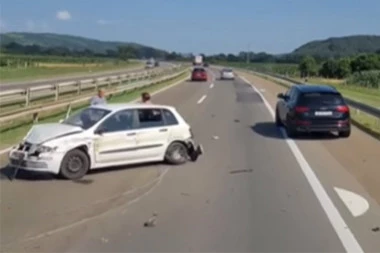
<point>45,81</point>
<point>250,192</point>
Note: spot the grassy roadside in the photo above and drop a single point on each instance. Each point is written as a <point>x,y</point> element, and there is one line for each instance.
<point>363,121</point>
<point>13,136</point>
<point>59,70</point>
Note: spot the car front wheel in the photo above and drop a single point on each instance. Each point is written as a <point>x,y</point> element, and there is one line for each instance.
<point>75,165</point>
<point>176,153</point>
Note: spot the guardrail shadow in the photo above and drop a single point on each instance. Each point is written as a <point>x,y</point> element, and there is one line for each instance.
<point>270,130</point>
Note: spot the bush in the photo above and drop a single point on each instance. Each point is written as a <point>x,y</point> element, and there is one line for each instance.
<point>368,79</point>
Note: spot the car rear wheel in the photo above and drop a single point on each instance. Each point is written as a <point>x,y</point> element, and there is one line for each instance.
<point>176,153</point>
<point>75,165</point>
<point>345,134</point>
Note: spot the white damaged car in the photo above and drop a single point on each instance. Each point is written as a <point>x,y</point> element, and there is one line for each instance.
<point>107,135</point>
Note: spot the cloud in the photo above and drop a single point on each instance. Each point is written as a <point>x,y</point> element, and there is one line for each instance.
<point>107,22</point>
<point>63,15</point>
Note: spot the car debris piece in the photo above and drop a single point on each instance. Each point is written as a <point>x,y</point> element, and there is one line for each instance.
<point>152,221</point>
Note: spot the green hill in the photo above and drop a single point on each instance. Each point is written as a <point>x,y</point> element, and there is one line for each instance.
<point>75,43</point>
<point>340,47</point>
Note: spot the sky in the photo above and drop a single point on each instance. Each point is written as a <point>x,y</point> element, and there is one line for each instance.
<point>197,26</point>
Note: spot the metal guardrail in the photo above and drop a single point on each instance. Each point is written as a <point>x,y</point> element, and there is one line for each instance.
<point>28,95</point>
<point>6,121</point>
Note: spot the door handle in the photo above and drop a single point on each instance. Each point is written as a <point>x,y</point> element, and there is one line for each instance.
<point>131,134</point>
<point>163,130</point>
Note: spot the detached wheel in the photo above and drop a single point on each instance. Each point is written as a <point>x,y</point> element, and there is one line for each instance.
<point>74,165</point>
<point>345,134</point>
<point>176,153</point>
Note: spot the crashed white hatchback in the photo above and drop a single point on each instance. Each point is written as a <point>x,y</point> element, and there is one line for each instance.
<point>107,135</point>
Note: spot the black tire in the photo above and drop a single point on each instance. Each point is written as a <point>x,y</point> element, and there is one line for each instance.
<point>176,153</point>
<point>345,134</point>
<point>290,131</point>
<point>74,165</point>
<point>278,120</point>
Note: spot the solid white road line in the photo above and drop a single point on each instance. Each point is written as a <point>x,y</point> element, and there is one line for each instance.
<point>201,99</point>
<point>341,228</point>
<point>211,85</point>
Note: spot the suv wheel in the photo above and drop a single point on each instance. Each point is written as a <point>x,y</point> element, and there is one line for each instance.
<point>278,120</point>
<point>345,134</point>
<point>176,153</point>
<point>75,165</point>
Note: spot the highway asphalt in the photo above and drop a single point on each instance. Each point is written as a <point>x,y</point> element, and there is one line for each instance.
<point>252,191</point>
<point>34,83</point>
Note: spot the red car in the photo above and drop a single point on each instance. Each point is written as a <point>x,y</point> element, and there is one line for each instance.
<point>199,74</point>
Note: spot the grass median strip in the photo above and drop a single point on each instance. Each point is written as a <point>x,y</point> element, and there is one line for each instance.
<point>12,136</point>
<point>47,70</point>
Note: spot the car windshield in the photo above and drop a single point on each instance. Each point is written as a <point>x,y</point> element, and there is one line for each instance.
<point>86,118</point>
<point>321,98</point>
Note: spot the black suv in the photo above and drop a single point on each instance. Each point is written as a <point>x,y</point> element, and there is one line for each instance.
<point>313,108</point>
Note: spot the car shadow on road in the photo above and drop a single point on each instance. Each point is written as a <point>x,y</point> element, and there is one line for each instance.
<point>270,130</point>
<point>8,173</point>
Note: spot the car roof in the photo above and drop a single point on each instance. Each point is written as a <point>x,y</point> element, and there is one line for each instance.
<point>310,88</point>
<point>123,106</point>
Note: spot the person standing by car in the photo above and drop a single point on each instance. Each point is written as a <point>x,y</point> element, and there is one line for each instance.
<point>99,99</point>
<point>145,98</point>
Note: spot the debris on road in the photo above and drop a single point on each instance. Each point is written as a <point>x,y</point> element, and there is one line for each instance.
<point>237,121</point>
<point>376,229</point>
<point>215,137</point>
<point>185,194</point>
<point>241,171</point>
<point>152,221</point>
<point>104,240</point>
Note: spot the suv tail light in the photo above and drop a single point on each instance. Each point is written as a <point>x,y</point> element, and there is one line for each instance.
<point>343,108</point>
<point>301,109</point>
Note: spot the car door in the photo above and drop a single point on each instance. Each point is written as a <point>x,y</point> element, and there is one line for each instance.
<point>115,138</point>
<point>152,134</point>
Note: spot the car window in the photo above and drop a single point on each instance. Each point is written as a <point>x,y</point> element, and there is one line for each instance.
<point>321,98</point>
<point>120,121</point>
<point>199,70</point>
<point>86,118</point>
<point>150,118</point>
<point>170,119</point>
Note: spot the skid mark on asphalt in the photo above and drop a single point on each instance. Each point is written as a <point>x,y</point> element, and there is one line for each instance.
<point>355,203</point>
<point>341,228</point>
<point>152,184</point>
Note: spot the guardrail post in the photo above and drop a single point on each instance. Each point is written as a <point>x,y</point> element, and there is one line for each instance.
<point>68,111</point>
<point>96,84</point>
<point>27,97</point>
<point>79,83</point>
<point>35,117</point>
<point>109,82</point>
<point>56,87</point>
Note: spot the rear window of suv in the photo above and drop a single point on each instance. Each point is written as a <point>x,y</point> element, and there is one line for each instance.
<point>320,98</point>
<point>199,70</point>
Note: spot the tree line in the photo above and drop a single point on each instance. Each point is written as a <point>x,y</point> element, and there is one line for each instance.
<point>339,68</point>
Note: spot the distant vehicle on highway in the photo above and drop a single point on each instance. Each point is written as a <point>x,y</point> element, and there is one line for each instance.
<point>107,135</point>
<point>199,74</point>
<point>149,64</point>
<point>205,64</point>
<point>313,108</point>
<point>198,60</point>
<point>227,74</point>
<point>156,63</point>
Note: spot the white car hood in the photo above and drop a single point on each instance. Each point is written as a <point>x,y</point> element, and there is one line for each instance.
<point>45,132</point>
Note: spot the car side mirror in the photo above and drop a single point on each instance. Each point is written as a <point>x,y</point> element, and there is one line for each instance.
<point>100,131</point>
<point>282,96</point>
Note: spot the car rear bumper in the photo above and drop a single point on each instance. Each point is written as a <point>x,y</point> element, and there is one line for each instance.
<point>340,126</point>
<point>199,78</point>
